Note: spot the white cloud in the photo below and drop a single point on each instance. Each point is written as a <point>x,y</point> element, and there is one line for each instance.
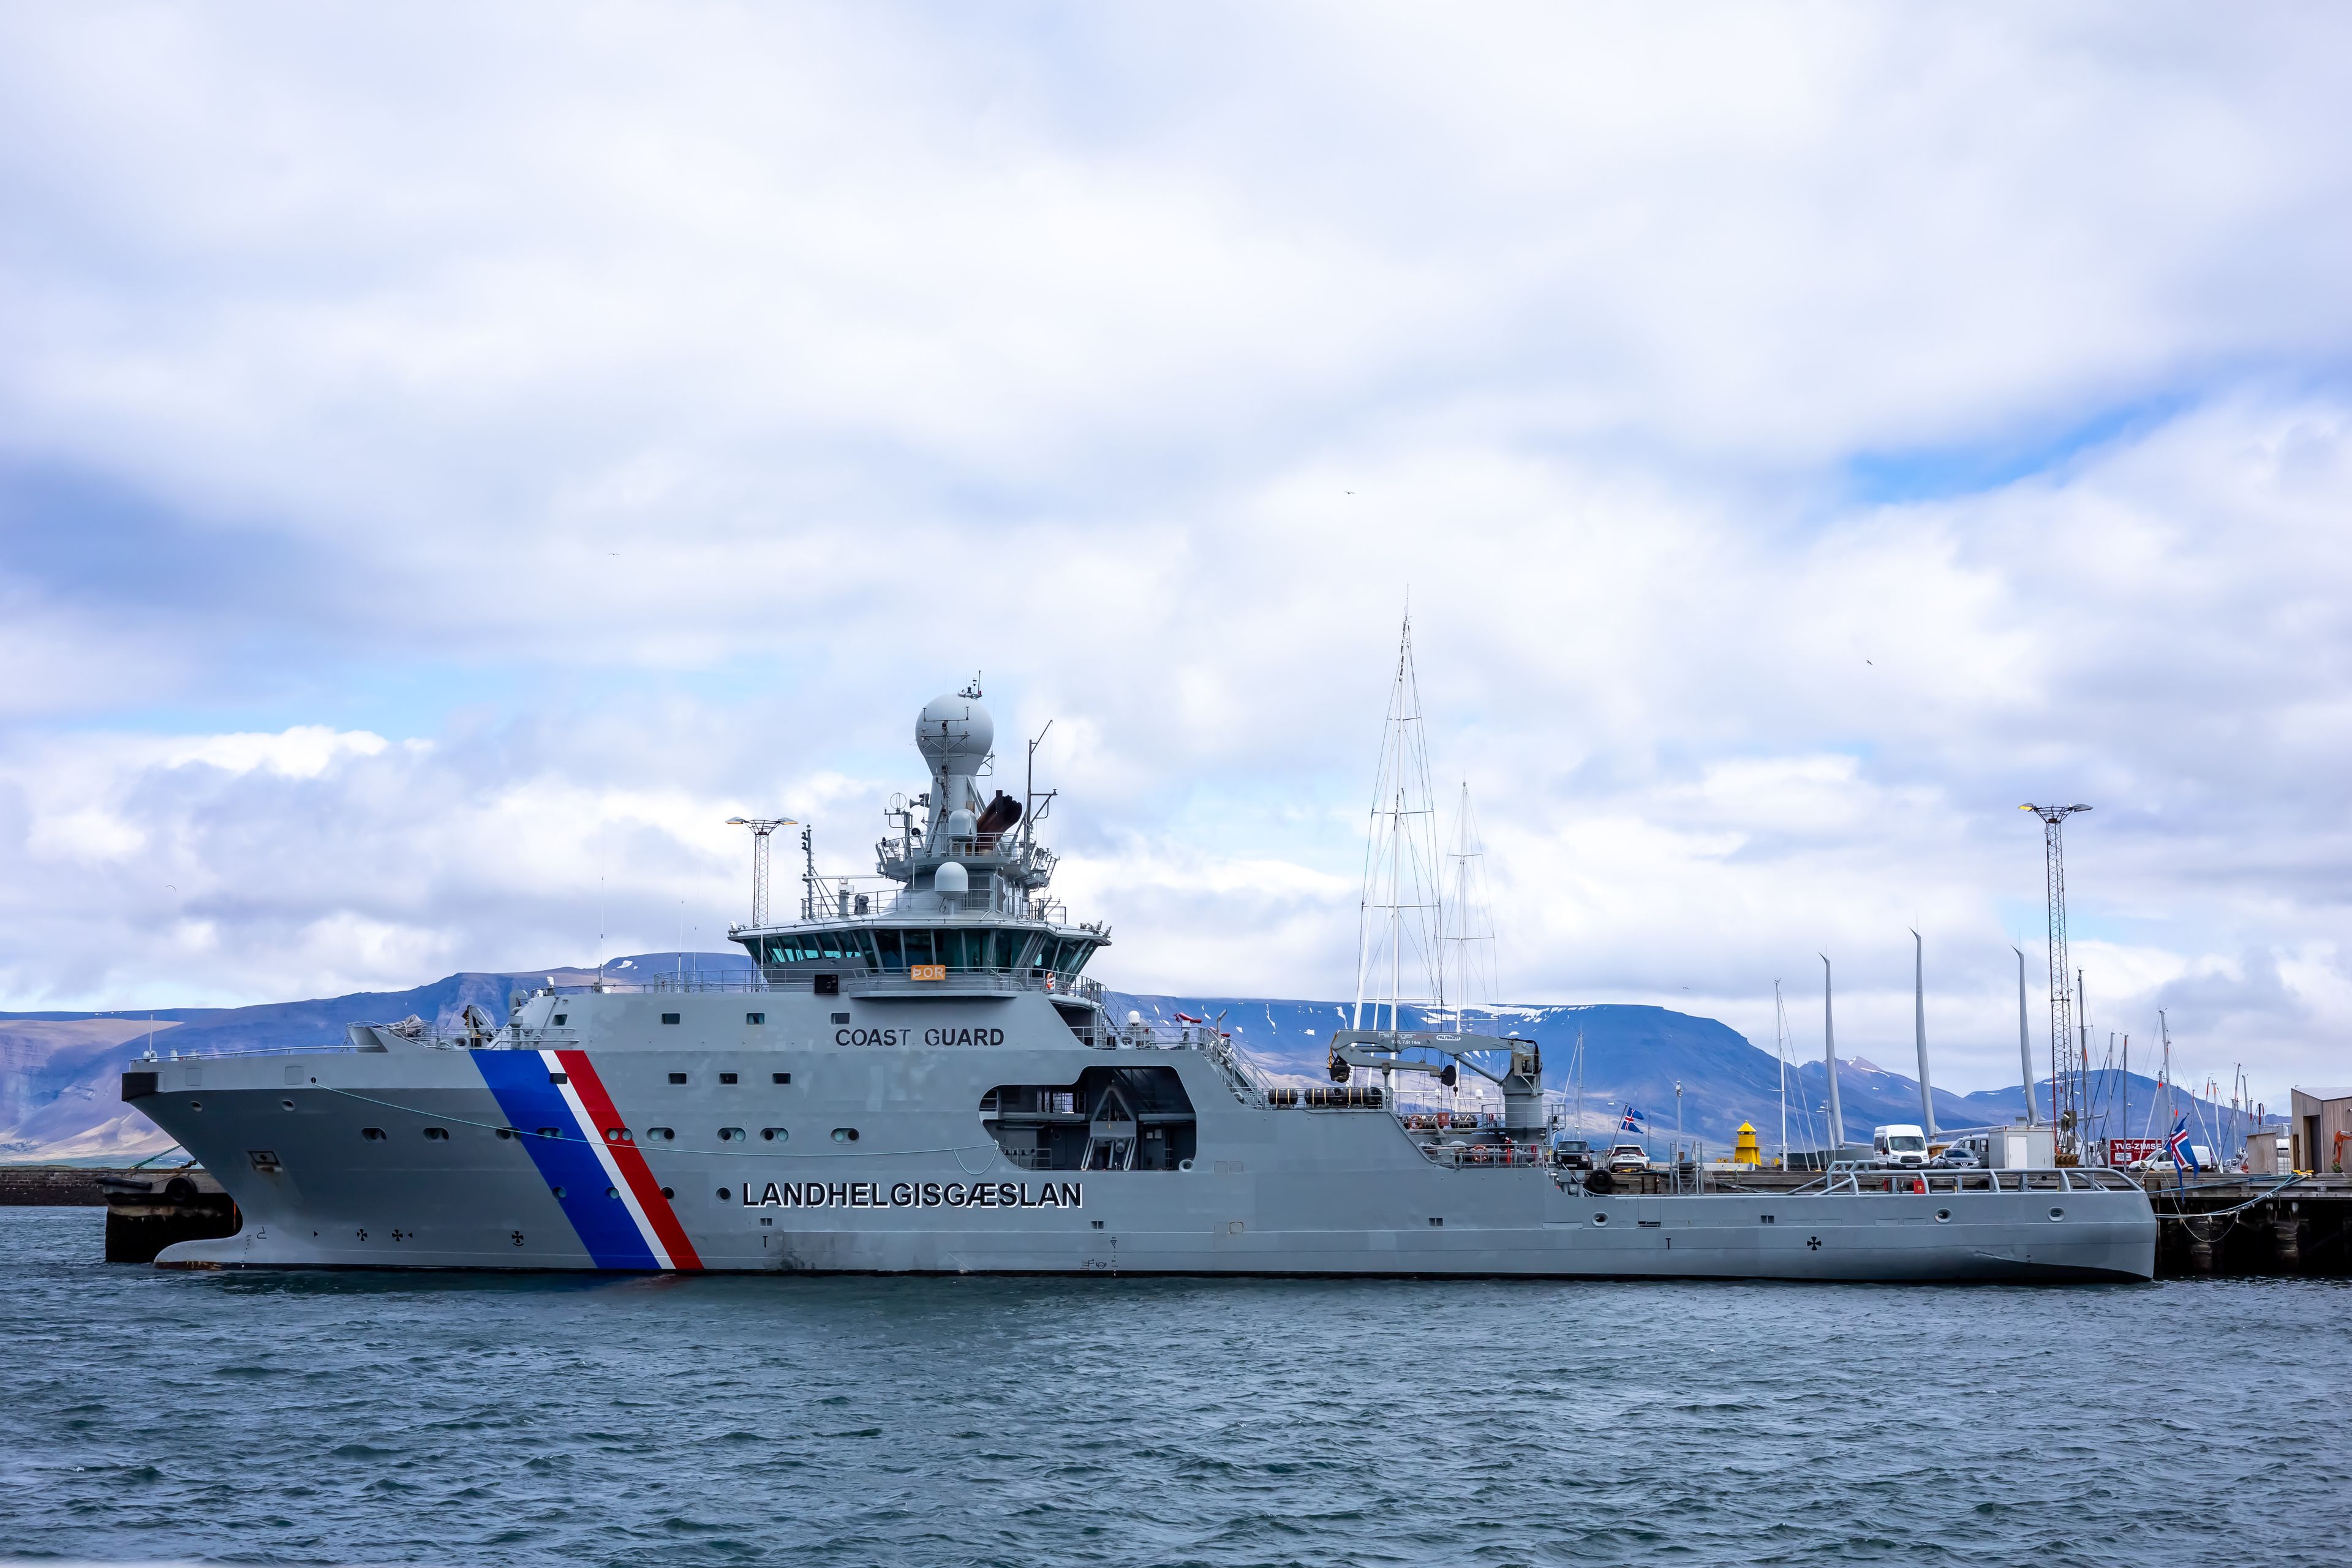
<point>454,462</point>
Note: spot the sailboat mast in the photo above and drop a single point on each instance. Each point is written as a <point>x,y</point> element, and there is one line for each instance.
<point>1780,1054</point>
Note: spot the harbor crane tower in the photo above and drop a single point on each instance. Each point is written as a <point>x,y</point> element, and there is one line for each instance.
<point>2066,1065</point>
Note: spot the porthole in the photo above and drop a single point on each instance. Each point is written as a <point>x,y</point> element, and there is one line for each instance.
<point>1943,1216</point>
<point>841,1017</point>
<point>726,1078</point>
<point>559,1018</point>
<point>782,1077</point>
<point>506,1133</point>
<point>196,1105</point>
<point>2057,1214</point>
<point>372,1134</point>
<point>723,1194</point>
<point>286,1104</point>
<point>669,1017</point>
<point>755,1017</point>
<point>437,1134</point>
<point>775,1135</point>
<point>557,1191</point>
<point>1183,1164</point>
<point>612,1192</point>
<point>731,1135</point>
<point>660,1134</point>
<point>678,1078</point>
<point>550,1132</point>
<point>1600,1219</point>
<point>617,1135</point>
<point>669,1192</point>
<point>844,1134</point>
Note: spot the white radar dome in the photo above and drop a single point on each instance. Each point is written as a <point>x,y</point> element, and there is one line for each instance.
<point>952,878</point>
<point>955,735</point>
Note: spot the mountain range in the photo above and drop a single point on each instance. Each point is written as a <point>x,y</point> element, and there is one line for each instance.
<point>59,1099</point>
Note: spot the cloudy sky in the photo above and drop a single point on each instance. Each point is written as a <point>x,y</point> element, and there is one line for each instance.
<point>451,460</point>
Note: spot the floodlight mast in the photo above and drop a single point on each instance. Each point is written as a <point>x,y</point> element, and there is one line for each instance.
<point>760,828</point>
<point>2065,1053</point>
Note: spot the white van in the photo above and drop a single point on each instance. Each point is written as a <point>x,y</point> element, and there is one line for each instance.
<point>1903,1144</point>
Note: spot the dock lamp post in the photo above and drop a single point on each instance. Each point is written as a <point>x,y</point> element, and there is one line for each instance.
<point>1678,1121</point>
<point>760,828</point>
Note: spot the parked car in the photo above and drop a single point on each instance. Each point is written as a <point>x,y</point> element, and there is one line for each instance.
<point>1629,1157</point>
<point>1573,1153</point>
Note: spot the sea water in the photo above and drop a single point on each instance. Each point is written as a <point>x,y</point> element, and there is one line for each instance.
<point>362,1417</point>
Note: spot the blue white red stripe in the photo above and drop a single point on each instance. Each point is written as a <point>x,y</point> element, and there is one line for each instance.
<point>601,1181</point>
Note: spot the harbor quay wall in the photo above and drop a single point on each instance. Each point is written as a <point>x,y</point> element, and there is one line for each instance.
<point>2245,1226</point>
<point>54,1186</point>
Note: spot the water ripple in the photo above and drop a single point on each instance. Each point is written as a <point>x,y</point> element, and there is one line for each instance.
<point>546,1420</point>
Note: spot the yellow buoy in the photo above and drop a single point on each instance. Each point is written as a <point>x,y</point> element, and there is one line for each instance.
<point>1745,1152</point>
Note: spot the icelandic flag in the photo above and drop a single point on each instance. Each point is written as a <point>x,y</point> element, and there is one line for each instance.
<point>2183,1157</point>
<point>1188,1018</point>
<point>1632,1121</point>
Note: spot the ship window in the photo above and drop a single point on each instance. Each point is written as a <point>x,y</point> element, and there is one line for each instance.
<point>669,1192</point>
<point>507,1132</point>
<point>669,1017</point>
<point>612,1192</point>
<point>755,1017</point>
<point>617,1135</point>
<point>557,1191</point>
<point>550,1132</point>
<point>723,1194</point>
<point>1074,957</point>
<point>726,1078</point>
<point>558,1078</point>
<point>559,1018</point>
<point>844,1134</point>
<point>775,1135</point>
<point>841,1017</point>
<point>1008,949</point>
<point>782,1077</point>
<point>918,946</point>
<point>372,1134</point>
<point>437,1135</point>
<point>660,1134</point>
<point>886,943</point>
<point>678,1078</point>
<point>731,1135</point>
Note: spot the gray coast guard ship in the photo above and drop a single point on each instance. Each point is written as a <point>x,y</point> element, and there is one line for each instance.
<point>921,1077</point>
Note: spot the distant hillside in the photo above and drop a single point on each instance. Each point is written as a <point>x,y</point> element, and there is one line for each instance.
<point>59,1098</point>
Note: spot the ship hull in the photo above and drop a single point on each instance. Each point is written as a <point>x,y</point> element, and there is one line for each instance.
<point>805,1155</point>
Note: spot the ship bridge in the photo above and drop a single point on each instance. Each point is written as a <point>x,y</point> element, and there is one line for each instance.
<point>958,901</point>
